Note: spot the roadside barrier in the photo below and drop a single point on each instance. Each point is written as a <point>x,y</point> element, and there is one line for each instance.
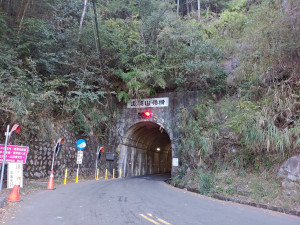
<point>113,173</point>
<point>97,177</point>
<point>106,174</point>
<point>50,185</point>
<point>77,176</point>
<point>66,174</point>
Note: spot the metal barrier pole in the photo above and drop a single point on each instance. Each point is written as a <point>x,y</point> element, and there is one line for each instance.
<point>4,157</point>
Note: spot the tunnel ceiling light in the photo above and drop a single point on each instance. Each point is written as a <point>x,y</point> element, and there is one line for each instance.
<point>158,149</point>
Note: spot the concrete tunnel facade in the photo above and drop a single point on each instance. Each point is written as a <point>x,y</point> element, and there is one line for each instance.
<point>136,140</point>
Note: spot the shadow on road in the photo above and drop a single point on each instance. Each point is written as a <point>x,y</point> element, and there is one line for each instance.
<point>155,177</point>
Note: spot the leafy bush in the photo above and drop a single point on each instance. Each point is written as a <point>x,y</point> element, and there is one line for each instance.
<point>231,190</point>
<point>206,183</point>
<point>229,180</point>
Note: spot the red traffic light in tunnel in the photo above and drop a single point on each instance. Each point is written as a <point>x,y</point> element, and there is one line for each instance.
<point>12,134</point>
<point>145,115</point>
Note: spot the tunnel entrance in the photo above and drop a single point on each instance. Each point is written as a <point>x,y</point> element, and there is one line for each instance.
<point>145,149</point>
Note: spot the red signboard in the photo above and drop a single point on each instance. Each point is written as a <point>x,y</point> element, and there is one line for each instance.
<point>14,154</point>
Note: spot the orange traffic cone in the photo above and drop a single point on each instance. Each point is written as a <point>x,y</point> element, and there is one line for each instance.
<point>14,194</point>
<point>50,185</point>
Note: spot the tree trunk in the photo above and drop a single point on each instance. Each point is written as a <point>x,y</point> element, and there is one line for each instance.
<point>82,18</point>
<point>97,31</point>
<point>178,2</point>
<point>20,11</point>
<point>24,12</point>
<point>187,6</point>
<point>199,16</point>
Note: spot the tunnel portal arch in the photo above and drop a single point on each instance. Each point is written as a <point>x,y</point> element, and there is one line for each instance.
<point>134,136</point>
<point>145,148</point>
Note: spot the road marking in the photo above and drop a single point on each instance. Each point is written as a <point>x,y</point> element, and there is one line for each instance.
<point>150,220</point>
<point>163,221</point>
<point>153,221</point>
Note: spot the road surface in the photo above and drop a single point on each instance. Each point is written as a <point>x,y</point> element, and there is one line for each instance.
<point>137,201</point>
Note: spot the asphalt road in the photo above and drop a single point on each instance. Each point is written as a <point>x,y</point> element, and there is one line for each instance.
<point>138,200</point>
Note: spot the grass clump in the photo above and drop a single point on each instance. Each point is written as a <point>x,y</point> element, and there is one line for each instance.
<point>206,183</point>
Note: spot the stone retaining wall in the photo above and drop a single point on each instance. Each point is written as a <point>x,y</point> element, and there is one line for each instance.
<point>38,164</point>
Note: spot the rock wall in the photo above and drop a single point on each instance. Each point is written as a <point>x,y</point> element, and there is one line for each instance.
<point>289,172</point>
<point>39,159</point>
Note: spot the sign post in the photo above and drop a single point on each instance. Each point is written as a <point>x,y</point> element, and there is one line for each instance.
<point>79,157</point>
<point>14,174</point>
<point>98,156</point>
<point>80,144</point>
<point>14,154</point>
<point>15,157</point>
<point>79,161</point>
<point>4,156</point>
<point>56,151</point>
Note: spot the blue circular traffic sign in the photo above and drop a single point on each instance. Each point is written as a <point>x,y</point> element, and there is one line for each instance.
<point>81,144</point>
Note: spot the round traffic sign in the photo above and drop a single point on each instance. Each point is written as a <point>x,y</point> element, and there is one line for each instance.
<point>81,144</point>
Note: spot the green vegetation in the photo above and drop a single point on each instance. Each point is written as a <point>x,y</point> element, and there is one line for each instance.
<point>206,183</point>
<point>229,180</point>
<point>253,127</point>
<point>56,67</point>
<point>231,190</point>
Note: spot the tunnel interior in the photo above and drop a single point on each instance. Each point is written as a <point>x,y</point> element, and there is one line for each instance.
<point>145,149</point>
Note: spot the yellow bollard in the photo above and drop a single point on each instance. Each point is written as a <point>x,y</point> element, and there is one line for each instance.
<point>120,175</point>
<point>97,178</point>
<point>113,173</point>
<point>106,174</point>
<point>77,176</point>
<point>139,172</point>
<point>66,174</point>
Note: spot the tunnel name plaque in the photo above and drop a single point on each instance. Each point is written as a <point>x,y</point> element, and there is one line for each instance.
<point>148,102</point>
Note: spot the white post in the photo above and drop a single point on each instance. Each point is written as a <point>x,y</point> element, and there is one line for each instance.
<point>4,157</point>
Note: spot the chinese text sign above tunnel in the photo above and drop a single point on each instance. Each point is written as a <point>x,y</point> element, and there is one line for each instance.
<point>14,154</point>
<point>148,102</point>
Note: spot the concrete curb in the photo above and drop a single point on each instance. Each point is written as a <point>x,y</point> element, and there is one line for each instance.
<point>257,205</point>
